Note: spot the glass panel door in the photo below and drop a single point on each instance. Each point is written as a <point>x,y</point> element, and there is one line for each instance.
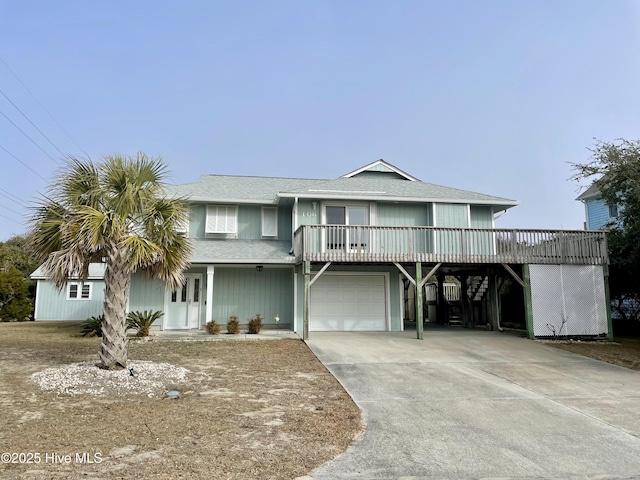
<point>335,235</point>
<point>358,237</point>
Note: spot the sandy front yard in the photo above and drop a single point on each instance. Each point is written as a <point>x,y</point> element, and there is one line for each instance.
<point>247,409</point>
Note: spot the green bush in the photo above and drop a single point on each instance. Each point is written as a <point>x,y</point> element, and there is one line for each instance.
<point>233,325</point>
<point>255,324</point>
<point>15,304</point>
<point>92,327</point>
<point>142,321</point>
<point>212,327</point>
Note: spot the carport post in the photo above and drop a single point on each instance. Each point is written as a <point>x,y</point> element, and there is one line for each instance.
<point>528,305</point>
<point>419,301</point>
<point>307,299</point>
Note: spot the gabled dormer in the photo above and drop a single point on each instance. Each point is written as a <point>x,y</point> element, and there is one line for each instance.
<point>380,169</point>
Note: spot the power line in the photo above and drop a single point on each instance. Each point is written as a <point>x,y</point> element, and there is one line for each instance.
<point>31,139</point>
<point>33,124</point>
<point>10,209</point>
<point>18,200</point>
<point>43,107</point>
<point>27,166</point>
<point>9,218</point>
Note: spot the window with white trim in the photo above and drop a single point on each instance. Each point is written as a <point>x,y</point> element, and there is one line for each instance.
<point>613,211</point>
<point>269,222</point>
<point>222,219</point>
<point>79,291</point>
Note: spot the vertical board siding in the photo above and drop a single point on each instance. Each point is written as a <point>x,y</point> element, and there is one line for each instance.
<point>450,215</point>
<point>53,303</point>
<point>146,294</point>
<point>284,224</point>
<point>307,215</point>
<point>481,217</point>
<point>249,222</point>
<point>597,214</point>
<point>197,221</point>
<point>245,292</point>
<point>403,215</point>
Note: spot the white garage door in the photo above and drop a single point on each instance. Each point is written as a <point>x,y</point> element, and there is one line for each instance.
<point>348,303</point>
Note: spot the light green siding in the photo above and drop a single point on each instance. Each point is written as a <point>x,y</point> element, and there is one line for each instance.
<point>380,174</point>
<point>481,217</point>
<point>197,221</point>
<point>52,304</point>
<point>404,214</point>
<point>245,292</point>
<point>451,215</point>
<point>249,222</point>
<point>307,215</point>
<point>146,294</point>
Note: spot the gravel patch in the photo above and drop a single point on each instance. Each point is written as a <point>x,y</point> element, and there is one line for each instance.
<point>150,378</point>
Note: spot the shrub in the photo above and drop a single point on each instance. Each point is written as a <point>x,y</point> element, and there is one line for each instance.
<point>255,324</point>
<point>233,325</point>
<point>142,321</point>
<point>15,304</point>
<point>92,327</point>
<point>212,327</point>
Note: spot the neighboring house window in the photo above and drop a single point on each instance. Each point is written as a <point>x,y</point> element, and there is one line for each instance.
<point>613,211</point>
<point>222,219</point>
<point>79,291</point>
<point>269,222</point>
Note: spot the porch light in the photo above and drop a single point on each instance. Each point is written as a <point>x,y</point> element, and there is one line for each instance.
<point>259,268</point>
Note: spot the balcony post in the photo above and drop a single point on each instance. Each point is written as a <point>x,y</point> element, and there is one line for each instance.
<point>419,302</point>
<point>307,299</point>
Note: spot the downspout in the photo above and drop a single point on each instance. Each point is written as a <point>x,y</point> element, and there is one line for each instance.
<point>294,222</point>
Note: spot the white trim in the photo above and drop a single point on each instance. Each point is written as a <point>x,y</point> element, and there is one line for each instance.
<point>79,291</point>
<point>190,292</point>
<point>468,215</point>
<point>386,164</point>
<point>35,307</point>
<point>208,309</point>
<point>506,203</point>
<point>401,297</point>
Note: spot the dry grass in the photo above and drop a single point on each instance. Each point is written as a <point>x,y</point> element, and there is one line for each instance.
<point>625,352</point>
<point>250,409</point>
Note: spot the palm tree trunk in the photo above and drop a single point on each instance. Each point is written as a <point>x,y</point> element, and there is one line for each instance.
<point>113,350</point>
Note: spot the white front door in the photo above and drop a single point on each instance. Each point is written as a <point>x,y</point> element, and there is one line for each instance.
<point>183,305</point>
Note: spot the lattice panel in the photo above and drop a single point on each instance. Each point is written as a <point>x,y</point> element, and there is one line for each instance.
<point>570,293</point>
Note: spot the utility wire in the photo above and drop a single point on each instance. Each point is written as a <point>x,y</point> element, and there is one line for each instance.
<point>31,139</point>
<point>33,124</point>
<point>10,209</point>
<point>12,197</point>
<point>27,166</point>
<point>9,218</point>
<point>14,201</point>
<point>43,107</point>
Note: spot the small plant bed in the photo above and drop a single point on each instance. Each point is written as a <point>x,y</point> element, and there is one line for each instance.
<point>624,352</point>
<point>212,327</point>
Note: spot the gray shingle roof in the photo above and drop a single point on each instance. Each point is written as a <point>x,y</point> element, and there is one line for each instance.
<point>241,251</point>
<point>265,190</point>
<point>96,272</point>
<point>590,192</point>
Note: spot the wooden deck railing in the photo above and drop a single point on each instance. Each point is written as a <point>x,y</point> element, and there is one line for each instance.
<point>340,243</point>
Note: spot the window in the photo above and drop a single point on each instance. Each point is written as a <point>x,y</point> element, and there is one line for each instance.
<point>613,211</point>
<point>222,219</point>
<point>269,222</point>
<point>79,291</point>
<point>339,238</point>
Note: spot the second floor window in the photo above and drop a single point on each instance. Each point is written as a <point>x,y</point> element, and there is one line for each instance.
<point>613,211</point>
<point>222,219</point>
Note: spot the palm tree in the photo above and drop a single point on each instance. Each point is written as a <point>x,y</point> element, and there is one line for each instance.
<point>113,212</point>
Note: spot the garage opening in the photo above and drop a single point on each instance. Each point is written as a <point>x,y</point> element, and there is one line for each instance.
<point>349,302</point>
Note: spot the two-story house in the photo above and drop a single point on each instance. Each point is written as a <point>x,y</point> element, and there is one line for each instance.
<point>338,255</point>
<point>598,214</point>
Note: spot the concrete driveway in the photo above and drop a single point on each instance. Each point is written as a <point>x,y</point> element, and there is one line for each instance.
<point>481,405</point>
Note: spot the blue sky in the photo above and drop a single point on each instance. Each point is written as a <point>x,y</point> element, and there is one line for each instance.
<point>492,96</point>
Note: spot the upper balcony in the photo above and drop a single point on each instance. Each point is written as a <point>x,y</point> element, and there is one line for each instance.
<point>346,243</point>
